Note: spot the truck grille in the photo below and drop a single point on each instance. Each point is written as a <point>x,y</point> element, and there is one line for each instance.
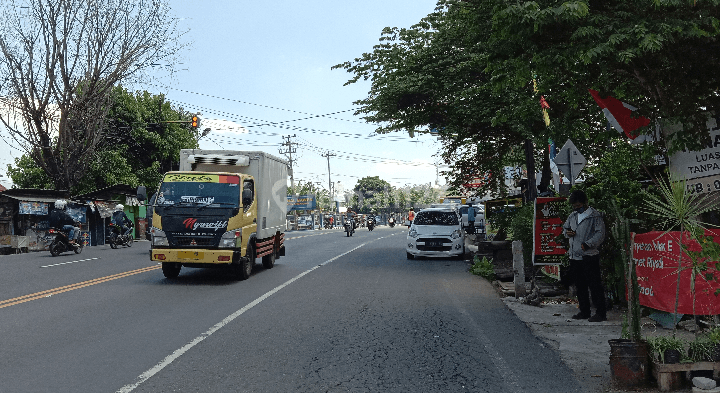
<point>193,241</point>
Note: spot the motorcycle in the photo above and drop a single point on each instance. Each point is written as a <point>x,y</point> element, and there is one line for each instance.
<point>370,224</point>
<point>391,222</point>
<point>117,238</point>
<point>349,228</point>
<point>61,243</point>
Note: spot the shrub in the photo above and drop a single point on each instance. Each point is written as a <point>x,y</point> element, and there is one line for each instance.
<point>483,268</point>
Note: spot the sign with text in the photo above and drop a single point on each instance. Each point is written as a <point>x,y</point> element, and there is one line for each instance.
<point>700,168</point>
<point>656,257</point>
<point>548,225</point>
<point>301,202</point>
<point>34,208</point>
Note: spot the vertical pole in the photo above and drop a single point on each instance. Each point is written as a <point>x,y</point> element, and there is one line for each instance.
<point>518,269</point>
<point>570,165</point>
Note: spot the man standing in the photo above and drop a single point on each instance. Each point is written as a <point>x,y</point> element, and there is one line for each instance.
<point>586,231</point>
<point>411,216</point>
<point>471,218</point>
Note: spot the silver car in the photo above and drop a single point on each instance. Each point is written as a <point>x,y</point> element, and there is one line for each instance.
<point>435,232</point>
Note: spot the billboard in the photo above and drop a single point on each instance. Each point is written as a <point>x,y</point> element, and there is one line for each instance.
<point>548,225</point>
<point>301,202</point>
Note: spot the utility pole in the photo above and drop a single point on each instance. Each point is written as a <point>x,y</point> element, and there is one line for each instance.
<point>288,153</point>
<point>328,155</point>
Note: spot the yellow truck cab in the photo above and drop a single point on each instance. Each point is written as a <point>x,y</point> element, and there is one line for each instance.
<point>223,208</point>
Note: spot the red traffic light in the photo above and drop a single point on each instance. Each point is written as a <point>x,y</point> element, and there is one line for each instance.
<point>195,121</point>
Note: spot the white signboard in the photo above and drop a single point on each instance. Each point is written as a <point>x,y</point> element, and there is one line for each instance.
<point>701,168</point>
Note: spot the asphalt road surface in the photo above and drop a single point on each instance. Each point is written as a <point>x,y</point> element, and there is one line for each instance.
<point>336,314</point>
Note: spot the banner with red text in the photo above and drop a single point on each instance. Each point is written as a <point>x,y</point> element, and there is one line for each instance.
<point>656,257</point>
<point>548,225</point>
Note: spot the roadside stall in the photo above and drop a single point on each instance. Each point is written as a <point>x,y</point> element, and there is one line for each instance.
<point>24,217</point>
<point>102,204</point>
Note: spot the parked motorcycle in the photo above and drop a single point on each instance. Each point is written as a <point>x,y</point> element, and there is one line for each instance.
<point>349,230</point>
<point>117,239</point>
<point>391,222</point>
<point>370,224</point>
<point>61,243</point>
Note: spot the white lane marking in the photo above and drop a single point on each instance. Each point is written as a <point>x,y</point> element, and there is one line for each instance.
<point>175,355</point>
<point>67,263</point>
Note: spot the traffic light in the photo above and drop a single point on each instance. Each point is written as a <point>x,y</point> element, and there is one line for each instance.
<point>195,122</point>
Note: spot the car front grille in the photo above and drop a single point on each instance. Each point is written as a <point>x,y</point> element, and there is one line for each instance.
<point>433,244</point>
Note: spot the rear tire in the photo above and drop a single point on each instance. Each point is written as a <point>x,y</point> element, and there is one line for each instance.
<point>55,249</point>
<point>268,261</point>
<point>171,269</point>
<point>78,249</point>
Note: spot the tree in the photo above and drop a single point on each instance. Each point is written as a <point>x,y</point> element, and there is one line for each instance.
<point>140,147</point>
<point>470,70</point>
<point>371,194</point>
<point>60,60</point>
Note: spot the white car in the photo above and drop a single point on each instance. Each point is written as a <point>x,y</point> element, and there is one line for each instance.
<point>436,232</point>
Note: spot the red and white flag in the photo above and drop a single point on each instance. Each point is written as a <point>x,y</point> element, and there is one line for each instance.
<point>619,114</point>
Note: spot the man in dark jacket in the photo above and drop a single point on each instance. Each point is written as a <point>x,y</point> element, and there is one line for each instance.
<point>121,219</point>
<point>585,229</point>
<point>60,219</point>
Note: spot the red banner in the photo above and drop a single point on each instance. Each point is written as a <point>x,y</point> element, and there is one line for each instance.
<point>656,257</point>
<point>548,225</point>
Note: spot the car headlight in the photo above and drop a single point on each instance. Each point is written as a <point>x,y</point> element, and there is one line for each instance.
<point>456,234</point>
<point>229,239</point>
<point>159,238</point>
<point>413,233</point>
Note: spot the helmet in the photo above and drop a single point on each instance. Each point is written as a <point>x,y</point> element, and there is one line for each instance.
<point>60,204</point>
<point>119,207</point>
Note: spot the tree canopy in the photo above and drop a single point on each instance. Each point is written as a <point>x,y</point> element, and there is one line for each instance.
<point>59,62</point>
<point>475,71</point>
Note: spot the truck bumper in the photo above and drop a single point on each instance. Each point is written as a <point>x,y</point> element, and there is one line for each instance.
<point>217,257</point>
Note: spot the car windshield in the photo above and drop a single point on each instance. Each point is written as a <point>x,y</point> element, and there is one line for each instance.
<point>436,218</point>
<point>199,190</point>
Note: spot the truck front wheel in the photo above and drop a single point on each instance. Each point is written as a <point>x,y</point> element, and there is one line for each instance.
<point>243,268</point>
<point>171,269</point>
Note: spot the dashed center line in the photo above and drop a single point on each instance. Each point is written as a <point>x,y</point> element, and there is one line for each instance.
<point>67,263</point>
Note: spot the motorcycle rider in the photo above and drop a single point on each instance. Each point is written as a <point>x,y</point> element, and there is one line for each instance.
<point>352,216</point>
<point>121,219</point>
<point>59,218</point>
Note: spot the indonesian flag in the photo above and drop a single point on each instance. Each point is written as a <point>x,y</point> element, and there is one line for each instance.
<point>545,106</point>
<point>619,114</point>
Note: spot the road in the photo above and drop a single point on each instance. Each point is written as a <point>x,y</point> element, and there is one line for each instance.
<point>336,314</point>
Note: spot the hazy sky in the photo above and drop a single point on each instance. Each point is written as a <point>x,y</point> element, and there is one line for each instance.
<point>257,62</point>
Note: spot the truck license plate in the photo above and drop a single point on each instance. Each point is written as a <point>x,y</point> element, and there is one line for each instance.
<point>190,255</point>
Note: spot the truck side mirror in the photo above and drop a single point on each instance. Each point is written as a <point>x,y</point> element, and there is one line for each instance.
<point>141,193</point>
<point>247,197</point>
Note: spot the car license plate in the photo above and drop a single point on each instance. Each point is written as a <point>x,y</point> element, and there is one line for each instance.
<point>434,243</point>
<point>190,255</point>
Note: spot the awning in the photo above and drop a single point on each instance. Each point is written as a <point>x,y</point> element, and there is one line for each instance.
<point>31,198</point>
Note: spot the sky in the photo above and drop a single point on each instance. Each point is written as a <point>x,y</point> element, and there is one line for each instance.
<point>252,63</point>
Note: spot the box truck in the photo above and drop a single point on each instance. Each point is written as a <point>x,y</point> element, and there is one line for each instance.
<point>222,208</point>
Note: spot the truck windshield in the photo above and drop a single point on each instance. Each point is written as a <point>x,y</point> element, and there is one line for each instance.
<point>199,190</point>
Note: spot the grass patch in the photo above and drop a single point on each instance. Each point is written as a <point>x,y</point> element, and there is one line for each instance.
<point>483,268</point>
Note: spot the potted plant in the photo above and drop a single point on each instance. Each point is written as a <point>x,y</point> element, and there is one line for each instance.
<point>667,349</point>
<point>714,337</point>
<point>629,355</point>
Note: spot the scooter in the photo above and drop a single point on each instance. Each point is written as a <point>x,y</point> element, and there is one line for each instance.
<point>61,243</point>
<point>349,228</point>
<point>391,222</point>
<point>370,224</point>
<point>117,239</point>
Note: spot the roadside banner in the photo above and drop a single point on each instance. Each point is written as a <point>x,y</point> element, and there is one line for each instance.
<point>301,202</point>
<point>548,225</point>
<point>656,257</point>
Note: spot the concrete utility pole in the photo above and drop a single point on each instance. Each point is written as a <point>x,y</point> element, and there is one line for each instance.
<point>328,155</point>
<point>288,153</point>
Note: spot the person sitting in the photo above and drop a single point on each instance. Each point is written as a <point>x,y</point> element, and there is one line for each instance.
<point>121,219</point>
<point>60,219</point>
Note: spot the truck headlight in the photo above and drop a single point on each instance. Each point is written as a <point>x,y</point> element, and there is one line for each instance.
<point>159,238</point>
<point>229,239</point>
<point>413,233</point>
<point>456,234</point>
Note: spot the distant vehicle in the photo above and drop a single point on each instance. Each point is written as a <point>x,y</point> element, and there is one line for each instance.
<point>479,218</point>
<point>436,232</point>
<point>461,200</point>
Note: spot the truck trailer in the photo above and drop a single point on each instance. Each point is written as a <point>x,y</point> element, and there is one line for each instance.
<point>222,208</point>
